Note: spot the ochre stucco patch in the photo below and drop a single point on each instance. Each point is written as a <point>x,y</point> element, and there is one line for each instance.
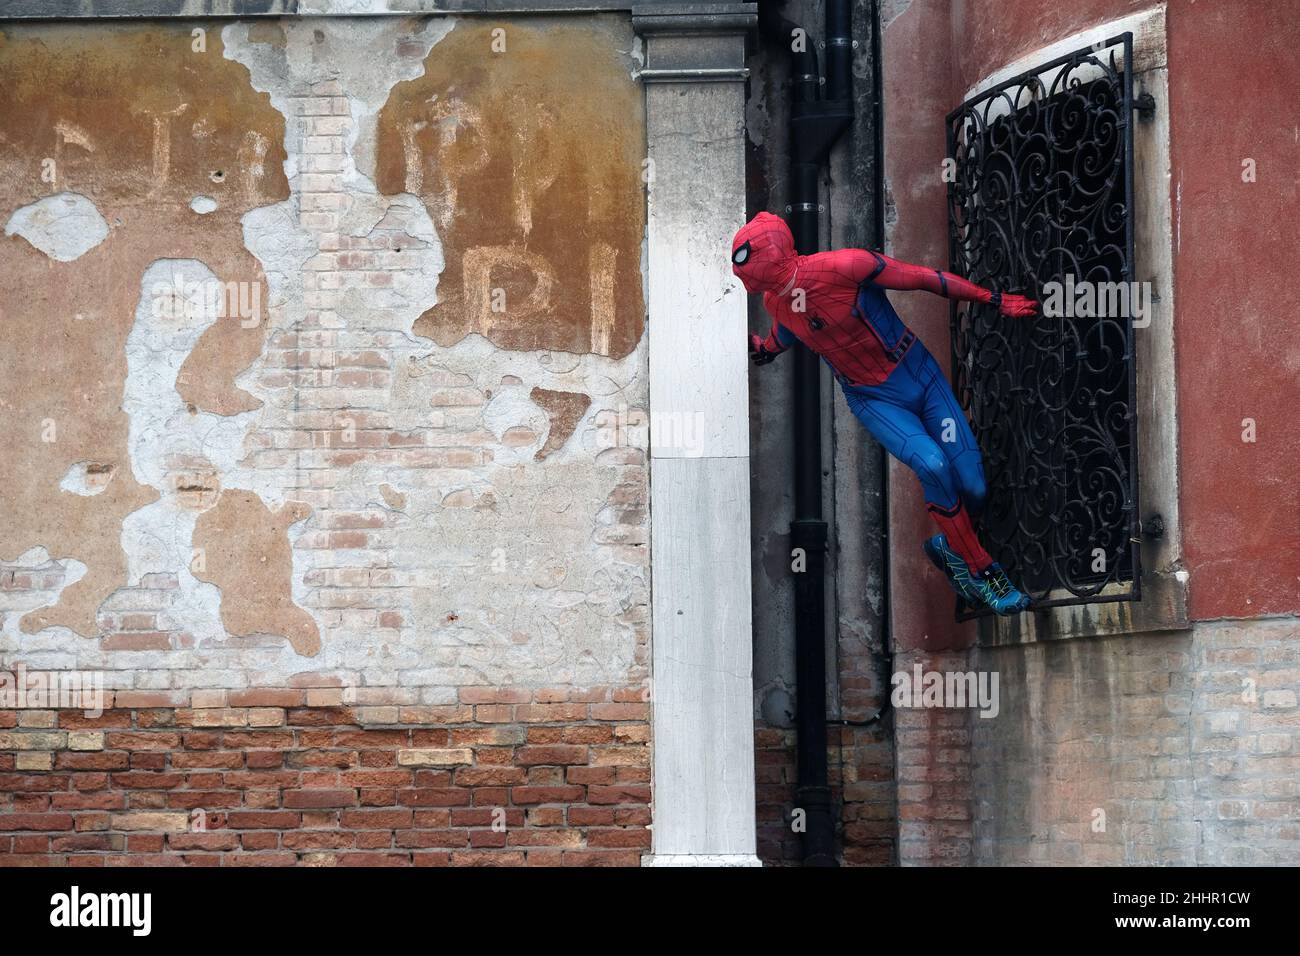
<point>139,123</point>
<point>530,161</point>
<point>565,409</point>
<point>246,553</point>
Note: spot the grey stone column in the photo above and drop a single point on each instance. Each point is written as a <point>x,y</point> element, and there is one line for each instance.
<point>702,697</point>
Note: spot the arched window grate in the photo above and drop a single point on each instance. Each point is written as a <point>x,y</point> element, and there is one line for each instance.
<point>1040,193</point>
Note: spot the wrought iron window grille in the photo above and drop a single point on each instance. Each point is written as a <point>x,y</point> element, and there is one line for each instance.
<point>1042,193</point>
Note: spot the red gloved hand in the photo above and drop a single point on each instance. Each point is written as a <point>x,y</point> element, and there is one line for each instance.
<point>1016,306</point>
<point>757,353</point>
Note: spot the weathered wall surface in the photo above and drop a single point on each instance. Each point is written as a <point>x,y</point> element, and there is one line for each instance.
<point>389,464</point>
<point>288,776</point>
<point>1240,561</point>
<point>322,370</point>
<point>107,141</point>
<point>1179,746</point>
<point>1168,749</point>
<point>1177,749</point>
<point>482,139</point>
<point>1244,561</point>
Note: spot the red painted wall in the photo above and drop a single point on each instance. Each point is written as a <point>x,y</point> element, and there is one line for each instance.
<point>1234,73</point>
<point>1234,84</point>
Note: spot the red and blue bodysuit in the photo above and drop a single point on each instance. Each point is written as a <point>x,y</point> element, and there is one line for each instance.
<point>835,304</point>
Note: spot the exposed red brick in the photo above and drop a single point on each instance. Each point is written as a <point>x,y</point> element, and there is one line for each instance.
<point>376,819</point>
<point>93,760</point>
<point>324,790</point>
<point>601,858</point>
<point>137,641</point>
<point>495,695</point>
<point>527,795</point>
<point>628,794</point>
<point>551,755</point>
<point>268,698</point>
<point>36,821</point>
<point>639,711</point>
<point>255,820</point>
<point>259,840</point>
<point>589,775</point>
<point>319,798</point>
<point>489,776</point>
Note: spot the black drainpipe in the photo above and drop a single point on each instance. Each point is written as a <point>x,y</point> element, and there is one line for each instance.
<point>816,123</point>
<point>878,203</point>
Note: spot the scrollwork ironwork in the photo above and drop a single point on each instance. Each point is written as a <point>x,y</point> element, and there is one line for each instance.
<point>1042,194</point>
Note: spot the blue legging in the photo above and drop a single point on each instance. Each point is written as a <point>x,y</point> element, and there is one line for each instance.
<point>915,415</point>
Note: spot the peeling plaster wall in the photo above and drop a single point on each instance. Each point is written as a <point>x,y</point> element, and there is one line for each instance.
<point>115,125</point>
<point>248,448</point>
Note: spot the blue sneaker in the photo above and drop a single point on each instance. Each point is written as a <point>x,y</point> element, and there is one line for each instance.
<point>994,588</point>
<point>953,566</point>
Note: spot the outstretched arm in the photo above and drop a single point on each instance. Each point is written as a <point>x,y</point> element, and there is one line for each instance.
<point>859,265</point>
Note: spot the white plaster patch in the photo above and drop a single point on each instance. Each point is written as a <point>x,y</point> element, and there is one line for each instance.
<point>15,603</point>
<point>203,205</point>
<point>323,52</point>
<point>87,478</point>
<point>512,408</point>
<point>65,226</point>
<point>179,300</point>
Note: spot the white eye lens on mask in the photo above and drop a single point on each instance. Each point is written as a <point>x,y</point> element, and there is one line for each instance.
<point>741,255</point>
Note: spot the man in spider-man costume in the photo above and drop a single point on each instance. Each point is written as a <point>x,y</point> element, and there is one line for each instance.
<point>834,302</point>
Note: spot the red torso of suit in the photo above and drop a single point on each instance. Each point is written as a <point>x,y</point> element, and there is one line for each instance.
<point>845,319</point>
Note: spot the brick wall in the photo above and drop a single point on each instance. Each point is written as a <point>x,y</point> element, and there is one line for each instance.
<point>869,804</point>
<point>934,772</point>
<point>774,780</point>
<point>1177,748</point>
<point>390,582</point>
<point>862,750</point>
<point>1173,749</point>
<point>861,773</point>
<point>297,777</point>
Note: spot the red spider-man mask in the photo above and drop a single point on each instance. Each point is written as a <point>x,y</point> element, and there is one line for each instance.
<point>762,254</point>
